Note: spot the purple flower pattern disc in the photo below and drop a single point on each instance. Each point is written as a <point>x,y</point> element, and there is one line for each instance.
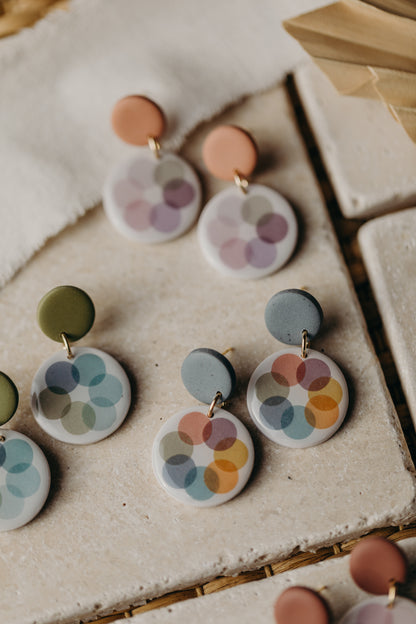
<point>152,200</point>
<point>376,611</point>
<point>250,235</point>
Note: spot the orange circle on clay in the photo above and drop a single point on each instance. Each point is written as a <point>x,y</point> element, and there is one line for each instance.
<point>226,476</point>
<point>325,411</point>
<point>227,150</point>
<point>135,118</point>
<point>300,605</point>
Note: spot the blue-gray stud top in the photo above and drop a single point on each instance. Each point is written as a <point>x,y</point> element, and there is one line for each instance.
<point>291,311</point>
<point>205,372</point>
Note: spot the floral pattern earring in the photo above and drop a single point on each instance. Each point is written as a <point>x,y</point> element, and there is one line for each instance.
<point>154,196</point>
<point>247,231</point>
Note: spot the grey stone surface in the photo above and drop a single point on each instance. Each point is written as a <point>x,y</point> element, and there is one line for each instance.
<point>109,536</point>
<point>254,602</point>
<point>370,159</point>
<point>291,311</point>
<point>388,246</point>
<point>205,372</point>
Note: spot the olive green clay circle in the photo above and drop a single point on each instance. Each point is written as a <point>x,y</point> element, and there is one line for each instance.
<point>68,310</point>
<point>9,398</point>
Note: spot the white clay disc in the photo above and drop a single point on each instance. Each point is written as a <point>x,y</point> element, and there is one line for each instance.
<point>24,480</point>
<point>376,611</point>
<point>152,200</point>
<point>250,235</point>
<point>297,402</point>
<point>81,400</point>
<point>203,461</point>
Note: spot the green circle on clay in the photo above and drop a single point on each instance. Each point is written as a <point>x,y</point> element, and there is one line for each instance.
<point>254,208</point>
<point>167,171</point>
<point>68,310</point>
<point>9,398</point>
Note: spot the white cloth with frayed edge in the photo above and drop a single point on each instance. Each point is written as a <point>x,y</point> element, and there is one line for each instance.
<point>60,80</point>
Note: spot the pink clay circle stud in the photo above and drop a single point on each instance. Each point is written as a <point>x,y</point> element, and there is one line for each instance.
<point>135,118</point>
<point>300,605</point>
<point>375,562</point>
<point>227,150</point>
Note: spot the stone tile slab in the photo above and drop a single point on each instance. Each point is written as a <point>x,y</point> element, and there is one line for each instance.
<point>109,536</point>
<point>388,246</point>
<point>254,602</point>
<point>369,158</point>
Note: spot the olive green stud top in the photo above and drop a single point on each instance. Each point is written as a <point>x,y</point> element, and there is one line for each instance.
<point>9,398</point>
<point>68,310</point>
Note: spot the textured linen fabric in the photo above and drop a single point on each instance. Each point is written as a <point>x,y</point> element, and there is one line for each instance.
<point>60,80</point>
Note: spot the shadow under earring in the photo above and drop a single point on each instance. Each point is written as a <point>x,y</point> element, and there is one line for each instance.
<point>377,566</point>
<point>79,395</point>
<point>247,231</point>
<point>204,457</point>
<point>24,471</point>
<point>297,397</point>
<point>152,197</point>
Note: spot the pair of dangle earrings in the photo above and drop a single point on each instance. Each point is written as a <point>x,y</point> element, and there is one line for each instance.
<point>246,231</point>
<point>377,566</point>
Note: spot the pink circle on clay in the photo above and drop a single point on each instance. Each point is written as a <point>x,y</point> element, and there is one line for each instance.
<point>137,214</point>
<point>142,173</point>
<point>374,614</point>
<point>272,228</point>
<point>260,254</point>
<point>233,253</point>
<point>164,218</point>
<point>219,233</point>
<point>178,193</point>
<point>310,370</point>
<point>229,211</point>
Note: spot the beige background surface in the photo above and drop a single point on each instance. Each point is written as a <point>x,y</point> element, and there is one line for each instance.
<point>255,602</point>
<point>108,535</point>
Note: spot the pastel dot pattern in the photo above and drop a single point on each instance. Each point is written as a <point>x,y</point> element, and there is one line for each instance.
<point>24,480</point>
<point>297,402</point>
<point>152,200</point>
<point>81,400</point>
<point>247,236</point>
<point>201,461</point>
<point>376,611</point>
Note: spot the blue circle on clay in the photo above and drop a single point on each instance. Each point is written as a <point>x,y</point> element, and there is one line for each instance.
<point>2,454</point>
<point>91,369</point>
<point>276,413</point>
<point>19,456</point>
<point>106,393</point>
<point>179,471</point>
<point>24,485</point>
<point>198,489</point>
<point>62,377</point>
<point>298,428</point>
<point>10,506</point>
<point>105,417</point>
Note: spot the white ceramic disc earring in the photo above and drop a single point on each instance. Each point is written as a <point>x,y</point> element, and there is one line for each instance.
<point>24,471</point>
<point>79,395</point>
<point>204,456</point>
<point>154,196</point>
<point>247,231</point>
<point>297,397</point>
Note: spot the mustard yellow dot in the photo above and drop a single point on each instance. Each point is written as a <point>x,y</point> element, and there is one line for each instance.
<point>237,454</point>
<point>332,389</point>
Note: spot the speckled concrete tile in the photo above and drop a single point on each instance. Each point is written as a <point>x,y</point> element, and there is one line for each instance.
<point>369,158</point>
<point>254,602</point>
<point>109,535</point>
<point>388,246</point>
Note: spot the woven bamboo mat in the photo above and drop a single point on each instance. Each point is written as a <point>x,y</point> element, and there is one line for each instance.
<point>18,14</point>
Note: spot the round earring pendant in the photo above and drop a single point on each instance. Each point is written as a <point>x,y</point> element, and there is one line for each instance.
<point>376,610</point>
<point>152,200</point>
<point>297,402</point>
<point>203,461</point>
<point>80,400</point>
<point>250,235</point>
<point>24,480</point>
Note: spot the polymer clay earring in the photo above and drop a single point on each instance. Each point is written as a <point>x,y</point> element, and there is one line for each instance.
<point>24,471</point>
<point>204,457</point>
<point>79,395</point>
<point>377,566</point>
<point>153,196</point>
<point>300,605</point>
<point>247,231</point>
<point>296,397</point>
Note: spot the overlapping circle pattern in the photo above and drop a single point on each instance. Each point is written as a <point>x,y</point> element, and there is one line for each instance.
<point>248,236</point>
<point>152,200</point>
<point>203,461</point>
<point>298,402</point>
<point>376,611</point>
<point>81,400</point>
<point>24,480</point>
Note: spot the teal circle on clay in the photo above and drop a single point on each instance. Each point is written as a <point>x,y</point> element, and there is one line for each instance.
<point>291,311</point>
<point>205,372</point>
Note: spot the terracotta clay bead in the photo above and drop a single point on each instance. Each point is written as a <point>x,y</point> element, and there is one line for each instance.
<point>300,605</point>
<point>228,150</point>
<point>135,118</point>
<point>375,562</point>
